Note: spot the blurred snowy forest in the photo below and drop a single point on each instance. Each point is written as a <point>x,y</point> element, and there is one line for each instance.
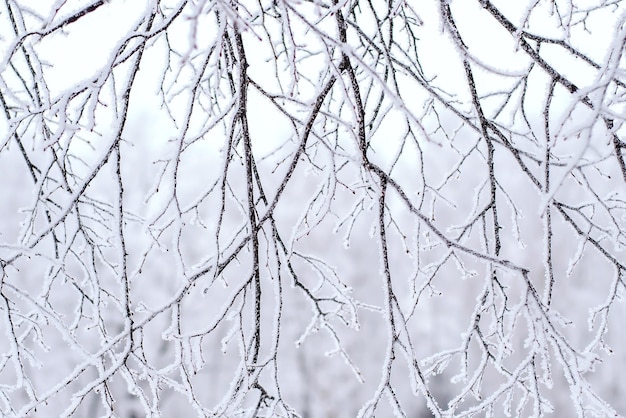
<point>312,208</point>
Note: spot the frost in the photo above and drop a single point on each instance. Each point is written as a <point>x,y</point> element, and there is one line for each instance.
<point>275,147</point>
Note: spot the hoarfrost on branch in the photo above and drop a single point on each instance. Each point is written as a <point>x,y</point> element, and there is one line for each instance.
<point>342,208</point>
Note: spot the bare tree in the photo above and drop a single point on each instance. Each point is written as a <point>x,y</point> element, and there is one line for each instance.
<point>201,199</point>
